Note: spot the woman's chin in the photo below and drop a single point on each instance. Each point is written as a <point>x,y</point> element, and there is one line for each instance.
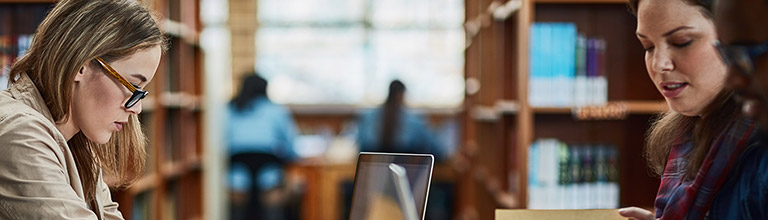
<point>101,138</point>
<point>684,110</point>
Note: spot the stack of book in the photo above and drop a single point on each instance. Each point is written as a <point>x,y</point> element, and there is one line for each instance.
<point>566,68</point>
<point>11,48</point>
<point>563,176</point>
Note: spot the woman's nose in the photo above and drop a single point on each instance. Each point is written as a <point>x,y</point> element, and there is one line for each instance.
<point>662,62</point>
<point>136,109</point>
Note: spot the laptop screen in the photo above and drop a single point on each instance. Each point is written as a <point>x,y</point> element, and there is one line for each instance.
<point>376,192</point>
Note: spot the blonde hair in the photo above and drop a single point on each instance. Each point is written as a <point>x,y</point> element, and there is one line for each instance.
<point>73,34</point>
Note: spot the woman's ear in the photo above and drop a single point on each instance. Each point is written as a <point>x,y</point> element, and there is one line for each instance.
<point>81,73</point>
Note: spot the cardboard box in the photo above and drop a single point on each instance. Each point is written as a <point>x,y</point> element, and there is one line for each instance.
<point>576,214</point>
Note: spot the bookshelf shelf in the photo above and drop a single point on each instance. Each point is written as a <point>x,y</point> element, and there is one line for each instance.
<point>647,107</point>
<point>501,122</point>
<point>148,104</point>
<point>552,110</point>
<point>507,106</point>
<point>490,113</point>
<point>632,107</point>
<point>485,113</point>
<point>147,182</point>
<point>172,170</point>
<point>180,100</point>
<point>180,30</point>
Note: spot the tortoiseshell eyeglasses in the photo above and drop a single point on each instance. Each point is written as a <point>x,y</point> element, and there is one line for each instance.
<point>137,93</point>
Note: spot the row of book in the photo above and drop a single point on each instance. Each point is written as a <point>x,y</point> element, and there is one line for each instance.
<point>11,48</point>
<point>563,176</point>
<point>144,208</point>
<point>566,68</point>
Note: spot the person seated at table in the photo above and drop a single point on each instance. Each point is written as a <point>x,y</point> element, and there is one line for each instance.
<point>260,136</point>
<point>394,129</point>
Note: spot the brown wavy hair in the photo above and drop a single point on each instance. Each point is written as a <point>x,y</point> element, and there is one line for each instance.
<point>672,128</point>
<point>705,6</point>
<point>73,34</point>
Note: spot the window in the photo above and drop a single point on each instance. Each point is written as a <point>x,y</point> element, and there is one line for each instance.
<point>347,51</point>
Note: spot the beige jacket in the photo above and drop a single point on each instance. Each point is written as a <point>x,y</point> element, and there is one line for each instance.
<point>38,175</point>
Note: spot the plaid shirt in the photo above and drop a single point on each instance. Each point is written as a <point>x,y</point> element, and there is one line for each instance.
<point>679,198</point>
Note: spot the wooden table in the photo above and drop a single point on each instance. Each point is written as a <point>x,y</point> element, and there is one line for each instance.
<point>323,198</point>
<point>579,214</point>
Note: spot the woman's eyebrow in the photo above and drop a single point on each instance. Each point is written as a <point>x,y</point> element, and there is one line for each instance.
<point>676,30</point>
<point>668,33</point>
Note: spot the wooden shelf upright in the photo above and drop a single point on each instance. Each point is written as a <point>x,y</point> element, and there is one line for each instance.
<point>498,57</point>
<point>172,186</point>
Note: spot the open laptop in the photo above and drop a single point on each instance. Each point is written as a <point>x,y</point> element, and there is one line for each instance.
<point>391,186</point>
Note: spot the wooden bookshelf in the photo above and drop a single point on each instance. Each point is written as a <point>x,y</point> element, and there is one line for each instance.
<point>631,107</point>
<point>144,184</point>
<point>496,140</point>
<point>18,22</point>
<point>172,117</point>
<point>176,191</point>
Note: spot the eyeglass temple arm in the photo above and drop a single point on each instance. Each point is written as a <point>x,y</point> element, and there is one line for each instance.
<point>117,76</point>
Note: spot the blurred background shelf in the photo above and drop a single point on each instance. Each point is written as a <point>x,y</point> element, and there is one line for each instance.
<point>631,107</point>
<point>498,141</point>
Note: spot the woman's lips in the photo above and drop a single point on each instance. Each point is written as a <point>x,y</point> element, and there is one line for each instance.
<point>672,89</point>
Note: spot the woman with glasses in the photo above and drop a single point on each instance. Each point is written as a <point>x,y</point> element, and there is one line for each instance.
<point>69,117</point>
<point>695,146</point>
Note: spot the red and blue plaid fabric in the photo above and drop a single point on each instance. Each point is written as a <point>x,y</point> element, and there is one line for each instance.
<point>679,198</point>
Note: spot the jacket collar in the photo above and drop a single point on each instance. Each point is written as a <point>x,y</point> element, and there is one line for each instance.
<point>25,91</point>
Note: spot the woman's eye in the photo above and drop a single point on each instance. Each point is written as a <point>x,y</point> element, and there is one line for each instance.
<point>648,49</point>
<point>135,86</point>
<point>682,44</point>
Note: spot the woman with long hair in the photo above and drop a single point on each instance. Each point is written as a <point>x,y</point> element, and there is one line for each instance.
<point>69,117</point>
<point>395,129</point>
<point>695,145</point>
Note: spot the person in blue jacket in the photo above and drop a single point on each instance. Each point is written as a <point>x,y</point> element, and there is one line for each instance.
<point>259,136</point>
<point>393,128</point>
<point>256,124</point>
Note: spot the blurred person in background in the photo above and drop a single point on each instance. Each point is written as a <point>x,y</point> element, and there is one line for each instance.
<point>260,136</point>
<point>394,129</point>
<point>742,27</point>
